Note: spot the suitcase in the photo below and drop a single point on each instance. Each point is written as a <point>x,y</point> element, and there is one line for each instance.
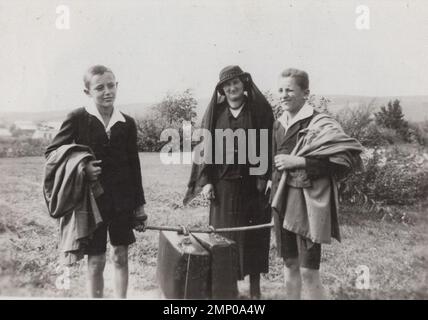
<point>223,275</point>
<point>183,267</point>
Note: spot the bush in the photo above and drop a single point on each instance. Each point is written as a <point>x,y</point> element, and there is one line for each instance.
<point>388,136</point>
<point>392,117</point>
<point>148,132</point>
<point>170,113</point>
<point>390,177</point>
<point>359,123</point>
<point>419,132</point>
<point>22,147</point>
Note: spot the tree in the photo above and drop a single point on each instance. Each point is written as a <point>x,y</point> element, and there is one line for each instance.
<point>168,114</point>
<point>148,132</point>
<point>359,123</point>
<point>176,108</point>
<point>392,117</point>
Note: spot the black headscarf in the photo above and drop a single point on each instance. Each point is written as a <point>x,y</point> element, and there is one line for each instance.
<point>261,115</point>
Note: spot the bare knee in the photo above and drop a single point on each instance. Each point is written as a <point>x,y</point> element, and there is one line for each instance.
<point>310,276</point>
<point>291,265</point>
<point>292,272</point>
<point>96,264</point>
<point>120,257</point>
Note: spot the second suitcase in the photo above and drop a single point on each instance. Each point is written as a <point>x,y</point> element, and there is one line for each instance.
<point>183,267</point>
<point>223,275</point>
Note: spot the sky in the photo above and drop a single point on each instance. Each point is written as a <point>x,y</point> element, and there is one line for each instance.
<point>158,46</point>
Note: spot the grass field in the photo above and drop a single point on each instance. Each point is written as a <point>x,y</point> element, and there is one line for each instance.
<point>396,254</point>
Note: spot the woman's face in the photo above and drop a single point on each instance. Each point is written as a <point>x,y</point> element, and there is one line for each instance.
<point>234,89</point>
<point>291,96</point>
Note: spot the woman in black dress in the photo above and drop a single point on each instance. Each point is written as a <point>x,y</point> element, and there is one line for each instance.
<point>237,197</point>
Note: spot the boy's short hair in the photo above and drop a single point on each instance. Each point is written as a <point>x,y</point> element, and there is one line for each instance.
<point>301,77</point>
<point>92,71</point>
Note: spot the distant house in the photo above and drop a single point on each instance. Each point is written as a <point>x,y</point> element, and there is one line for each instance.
<point>25,125</point>
<point>47,130</point>
<point>44,134</point>
<point>5,133</point>
<point>55,125</point>
<point>24,128</point>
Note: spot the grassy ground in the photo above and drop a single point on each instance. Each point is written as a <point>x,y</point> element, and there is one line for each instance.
<point>396,254</point>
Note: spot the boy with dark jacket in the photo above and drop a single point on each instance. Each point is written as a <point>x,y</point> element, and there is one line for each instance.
<point>112,136</point>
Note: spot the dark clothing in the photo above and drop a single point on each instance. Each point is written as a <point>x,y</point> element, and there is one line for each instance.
<point>295,246</point>
<point>237,201</point>
<point>121,172</point>
<point>226,120</point>
<point>119,229</point>
<point>71,198</point>
<point>284,143</point>
<point>305,200</point>
<point>64,183</point>
<point>261,116</point>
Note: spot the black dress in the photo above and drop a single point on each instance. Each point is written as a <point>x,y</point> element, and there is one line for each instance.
<point>238,203</point>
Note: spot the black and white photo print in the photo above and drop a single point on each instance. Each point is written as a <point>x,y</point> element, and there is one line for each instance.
<point>238,150</point>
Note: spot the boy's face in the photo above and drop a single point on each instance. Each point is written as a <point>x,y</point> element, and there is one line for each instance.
<point>102,89</point>
<point>291,96</point>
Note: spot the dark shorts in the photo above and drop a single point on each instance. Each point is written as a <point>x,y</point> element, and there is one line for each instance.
<point>119,229</point>
<point>295,246</point>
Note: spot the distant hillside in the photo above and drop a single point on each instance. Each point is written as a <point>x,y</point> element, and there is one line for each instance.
<point>134,110</point>
<point>415,108</point>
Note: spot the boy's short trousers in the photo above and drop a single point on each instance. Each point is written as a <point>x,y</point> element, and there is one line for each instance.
<point>119,229</point>
<point>295,246</point>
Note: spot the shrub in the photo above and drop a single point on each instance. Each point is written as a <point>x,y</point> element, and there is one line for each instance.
<point>22,147</point>
<point>419,132</point>
<point>148,132</point>
<point>170,113</point>
<point>388,136</point>
<point>359,123</point>
<point>390,177</point>
<point>392,117</point>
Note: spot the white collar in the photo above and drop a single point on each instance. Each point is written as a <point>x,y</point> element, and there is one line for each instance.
<point>236,112</point>
<point>116,116</point>
<point>305,112</point>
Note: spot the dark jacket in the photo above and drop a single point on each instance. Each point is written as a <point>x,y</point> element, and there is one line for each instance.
<point>305,201</point>
<point>71,199</point>
<point>314,167</point>
<point>121,172</point>
<point>245,120</point>
<point>261,118</point>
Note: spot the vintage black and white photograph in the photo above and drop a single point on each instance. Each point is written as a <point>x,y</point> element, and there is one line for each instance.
<point>214,150</point>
